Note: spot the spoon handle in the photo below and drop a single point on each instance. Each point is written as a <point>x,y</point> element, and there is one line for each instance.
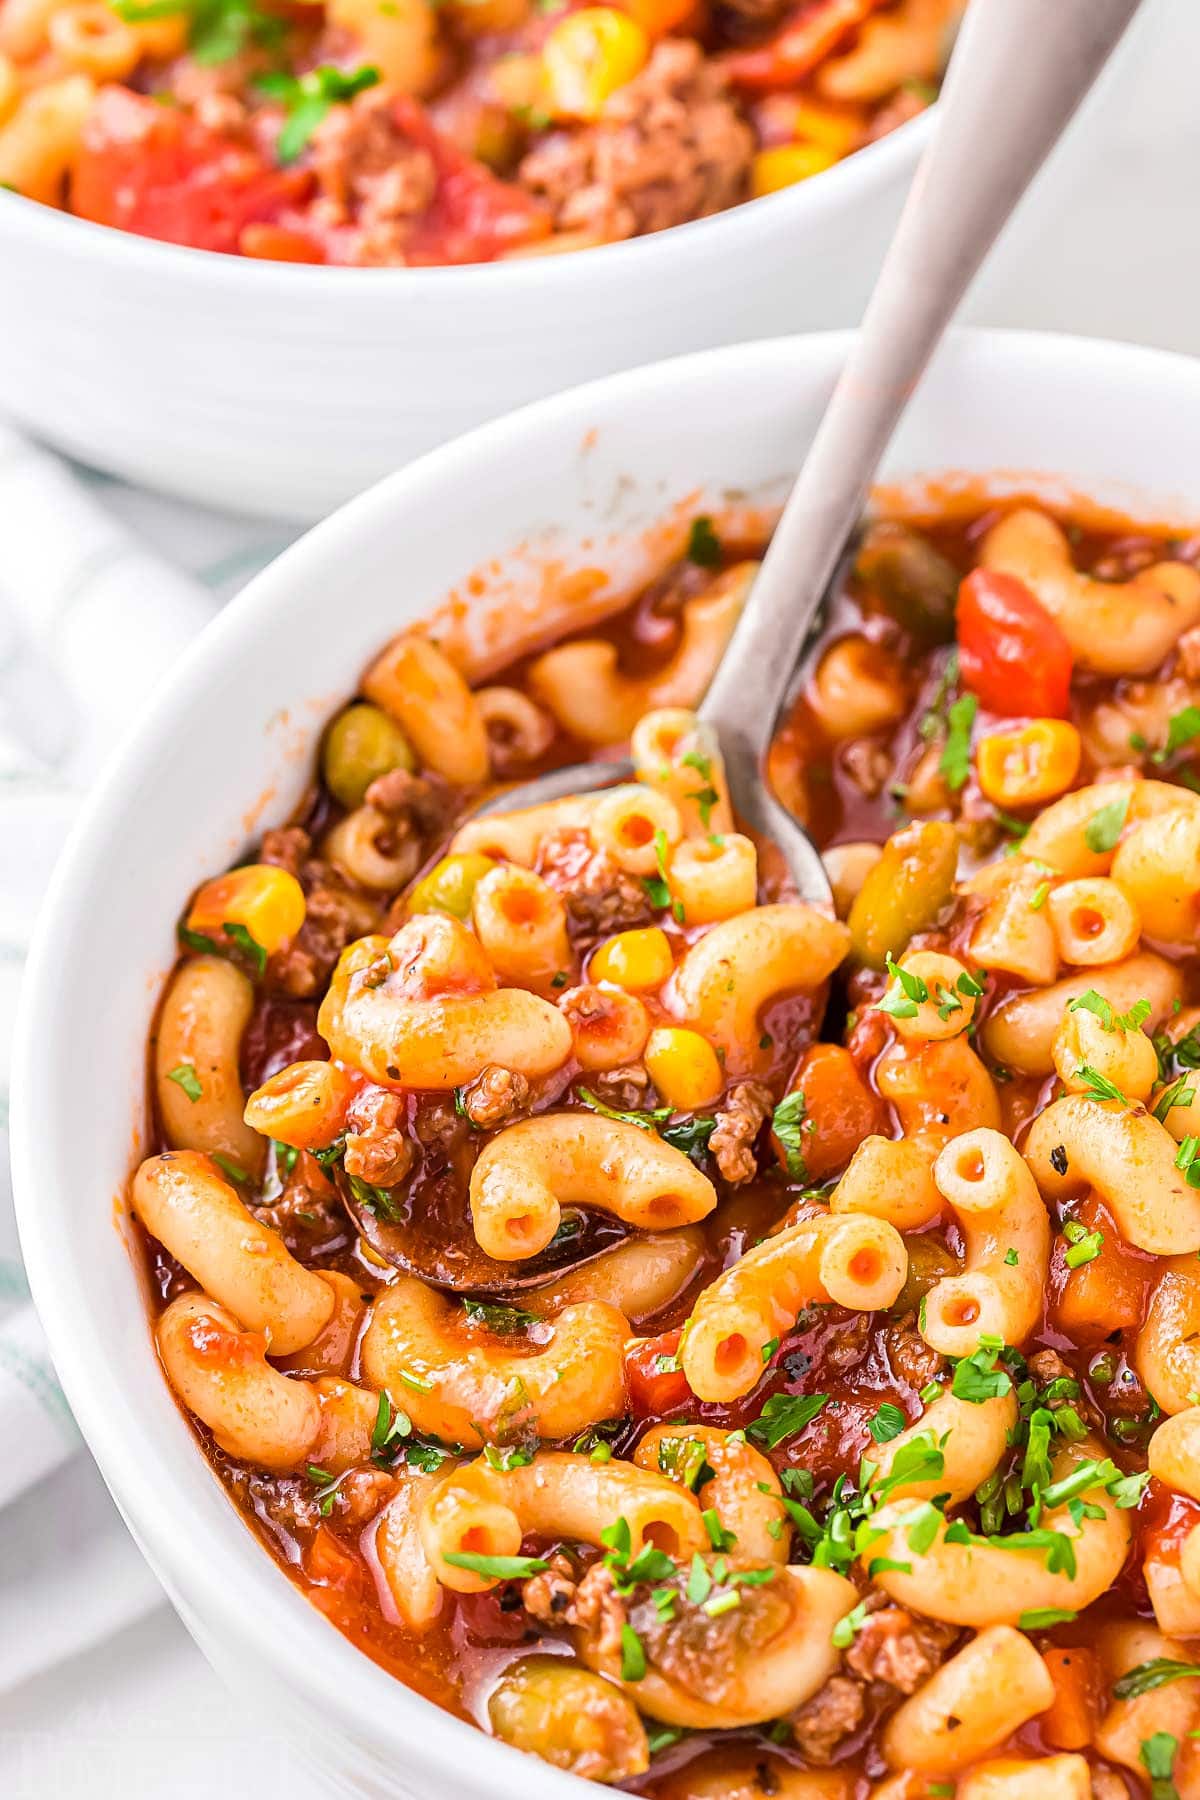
<point>1018,73</point>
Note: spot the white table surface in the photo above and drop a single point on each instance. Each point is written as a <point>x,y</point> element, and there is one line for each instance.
<point>1108,244</point>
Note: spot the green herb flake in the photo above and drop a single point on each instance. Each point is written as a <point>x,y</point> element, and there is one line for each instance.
<point>888,1423</point>
<point>1147,1676</point>
<point>703,545</point>
<point>954,763</point>
<point>306,100</point>
<point>185,1076</point>
<point>787,1122</point>
<point>1104,828</point>
<point>1042,1618</point>
<point>496,1568</point>
<point>783,1416</point>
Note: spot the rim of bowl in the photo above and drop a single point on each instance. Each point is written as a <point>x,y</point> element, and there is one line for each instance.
<point>164,1494</point>
<point>863,172</point>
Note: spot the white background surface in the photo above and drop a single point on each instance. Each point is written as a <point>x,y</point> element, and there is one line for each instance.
<point>1108,244</point>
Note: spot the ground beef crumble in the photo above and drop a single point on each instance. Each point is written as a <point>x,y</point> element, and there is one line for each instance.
<point>746,1109</point>
<point>911,1358</point>
<point>834,1712</point>
<point>334,915</point>
<point>372,177</point>
<point>600,898</point>
<point>897,1648</point>
<point>669,146</point>
<point>496,1097</point>
<point>377,1148</point>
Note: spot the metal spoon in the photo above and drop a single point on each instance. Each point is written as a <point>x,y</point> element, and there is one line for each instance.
<point>1019,71</point>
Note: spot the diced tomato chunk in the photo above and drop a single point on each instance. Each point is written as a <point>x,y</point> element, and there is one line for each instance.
<point>1011,653</point>
<point>328,1562</point>
<point>815,29</point>
<point>152,169</point>
<point>656,1383</point>
<point>474,216</point>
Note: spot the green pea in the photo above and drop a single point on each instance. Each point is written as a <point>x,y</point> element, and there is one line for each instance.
<point>362,744</point>
<point>450,885</point>
<point>904,892</point>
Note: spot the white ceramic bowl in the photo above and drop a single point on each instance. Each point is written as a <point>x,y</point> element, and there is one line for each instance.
<point>573,481</point>
<point>278,389</point>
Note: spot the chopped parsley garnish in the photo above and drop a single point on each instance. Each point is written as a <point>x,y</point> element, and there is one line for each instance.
<point>847,1629</point>
<point>1041,1618</point>
<point>703,545</point>
<point>1187,1161</point>
<point>234,1170</point>
<point>502,1319</point>
<point>185,1076</point>
<point>1095,1003</point>
<point>237,934</point>
<point>685,1461</point>
<point>390,1428</point>
<point>633,1655</point>
<point>1083,1246</point>
<point>326,1486</point>
<point>787,1122</point>
<point>783,1416</point>
<point>376,1200</point>
<point>1177,1094</point>
<point>954,763</point>
<point>1039,896</point>
<point>1103,829</point>
<point>218,30</point>
<point>720,1539</point>
<point>933,722</point>
<point>1157,1756</point>
<point>888,1423</point>
<point>1153,1674</point>
<point>497,1568</point>
<point>1098,1086</point>
<point>690,1135</point>
<point>706,797</point>
<point>504,1457</point>
<point>904,993</point>
<point>307,98</point>
<point>645,1121</point>
<point>977,1378</point>
<point>1182,727</point>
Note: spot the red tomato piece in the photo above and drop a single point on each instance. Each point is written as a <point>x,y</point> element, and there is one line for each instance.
<point>474,216</point>
<point>814,30</point>
<point>654,1388</point>
<point>1011,653</point>
<point>154,170</point>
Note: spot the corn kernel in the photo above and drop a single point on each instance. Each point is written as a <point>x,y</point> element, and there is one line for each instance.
<point>587,57</point>
<point>786,164</point>
<point>266,902</point>
<point>683,1067</point>
<point>828,126</point>
<point>633,959</point>
<point>1026,767</point>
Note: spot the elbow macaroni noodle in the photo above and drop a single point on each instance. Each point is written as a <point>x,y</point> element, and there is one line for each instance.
<point>638,1303</point>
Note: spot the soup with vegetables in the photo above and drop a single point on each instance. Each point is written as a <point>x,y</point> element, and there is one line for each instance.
<point>719,1346</point>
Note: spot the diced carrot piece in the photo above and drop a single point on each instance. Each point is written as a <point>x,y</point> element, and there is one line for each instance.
<point>1108,1293</point>
<point>1069,1722</point>
<point>840,1110</point>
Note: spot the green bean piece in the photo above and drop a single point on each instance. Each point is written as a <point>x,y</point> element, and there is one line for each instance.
<point>571,1718</point>
<point>904,892</point>
<point>917,584</point>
